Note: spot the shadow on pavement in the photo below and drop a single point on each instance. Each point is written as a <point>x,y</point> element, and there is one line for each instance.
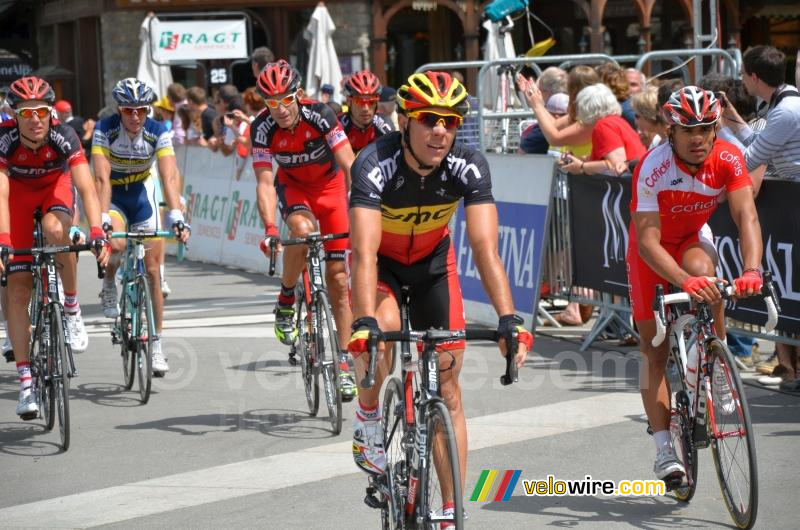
<point>280,423</point>
<point>642,512</point>
<point>22,439</point>
<point>108,394</point>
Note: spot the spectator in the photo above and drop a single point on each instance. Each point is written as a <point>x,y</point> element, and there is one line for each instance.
<point>198,106</point>
<point>666,88</point>
<point>163,111</point>
<point>259,59</point>
<point>614,78</point>
<point>226,100</point>
<point>387,104</point>
<point>176,93</point>
<point>636,80</point>
<point>649,118</point>
<point>763,76</point>
<point>325,93</point>
<point>253,102</point>
<point>614,142</point>
<point>532,140</point>
<point>84,128</point>
<point>193,127</point>
<point>552,81</point>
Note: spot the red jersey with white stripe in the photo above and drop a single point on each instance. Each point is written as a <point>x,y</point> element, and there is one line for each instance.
<point>662,183</point>
<point>41,167</point>
<point>304,154</point>
<point>360,138</point>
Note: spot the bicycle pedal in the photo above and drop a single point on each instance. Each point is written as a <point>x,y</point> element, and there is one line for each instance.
<point>28,416</point>
<point>292,360</point>
<point>700,436</point>
<point>9,355</point>
<point>674,481</point>
<point>372,500</point>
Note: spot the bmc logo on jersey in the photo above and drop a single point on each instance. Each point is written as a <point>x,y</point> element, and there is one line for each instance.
<point>262,132</point>
<point>734,159</point>
<point>60,141</point>
<point>8,139</point>
<point>297,159</point>
<point>658,173</point>
<point>461,169</point>
<point>695,207</point>
<point>315,118</point>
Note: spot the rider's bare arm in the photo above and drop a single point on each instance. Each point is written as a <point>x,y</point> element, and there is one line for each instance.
<point>102,179</point>
<point>344,158</point>
<point>365,238</point>
<point>82,178</point>
<point>743,211</point>
<point>265,195</point>
<point>5,219</point>
<point>168,170</point>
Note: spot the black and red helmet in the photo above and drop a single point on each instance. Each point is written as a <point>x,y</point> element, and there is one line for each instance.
<point>278,78</point>
<point>691,106</point>
<point>30,89</point>
<point>363,83</point>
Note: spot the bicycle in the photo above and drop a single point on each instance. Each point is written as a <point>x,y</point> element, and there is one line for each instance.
<point>135,329</point>
<point>717,415</point>
<point>317,342</point>
<point>417,430</point>
<point>52,362</point>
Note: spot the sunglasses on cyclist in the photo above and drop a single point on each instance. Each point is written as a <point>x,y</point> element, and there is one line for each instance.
<point>285,101</point>
<point>364,100</point>
<point>28,112</point>
<point>431,119</point>
<point>130,111</point>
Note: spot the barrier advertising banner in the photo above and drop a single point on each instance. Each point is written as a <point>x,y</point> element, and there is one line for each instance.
<point>599,248</point>
<point>522,187</point>
<point>190,40</point>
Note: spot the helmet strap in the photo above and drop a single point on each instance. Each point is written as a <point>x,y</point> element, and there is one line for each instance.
<point>33,144</point>
<point>407,142</point>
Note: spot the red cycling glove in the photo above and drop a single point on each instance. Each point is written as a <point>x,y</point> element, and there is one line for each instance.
<point>750,280</point>
<point>694,284</point>
<point>270,233</point>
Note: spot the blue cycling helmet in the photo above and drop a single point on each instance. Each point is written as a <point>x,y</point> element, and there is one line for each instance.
<point>131,92</point>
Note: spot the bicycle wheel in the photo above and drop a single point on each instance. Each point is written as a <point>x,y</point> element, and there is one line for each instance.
<point>732,443</point>
<point>440,482</point>
<point>396,475</point>
<point>41,376</point>
<point>60,374</point>
<point>305,348</point>
<point>127,344</point>
<point>328,360</point>
<point>145,330</point>
<point>680,428</point>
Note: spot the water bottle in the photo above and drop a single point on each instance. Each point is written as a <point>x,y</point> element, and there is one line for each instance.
<point>691,371</point>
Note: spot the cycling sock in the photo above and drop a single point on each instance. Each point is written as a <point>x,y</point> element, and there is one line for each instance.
<point>161,271</point>
<point>286,296</point>
<point>662,439</point>
<point>24,371</point>
<point>71,305</point>
<point>367,413</point>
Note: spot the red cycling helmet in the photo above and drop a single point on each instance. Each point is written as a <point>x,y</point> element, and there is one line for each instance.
<point>278,78</point>
<point>363,83</point>
<point>691,106</point>
<point>30,89</point>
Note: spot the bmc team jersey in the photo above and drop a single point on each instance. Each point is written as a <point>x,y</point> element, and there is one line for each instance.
<point>304,154</point>
<point>661,183</point>
<point>37,179</point>
<point>133,192</point>
<point>415,210</point>
<point>360,138</point>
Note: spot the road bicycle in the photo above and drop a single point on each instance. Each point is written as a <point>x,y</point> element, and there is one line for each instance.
<point>50,354</point>
<point>708,406</point>
<point>134,330</point>
<point>422,467</point>
<point>317,343</point>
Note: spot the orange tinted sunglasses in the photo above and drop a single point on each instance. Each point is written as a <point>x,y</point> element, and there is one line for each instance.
<point>365,100</point>
<point>28,112</point>
<point>431,119</point>
<point>285,101</point>
<point>130,111</point>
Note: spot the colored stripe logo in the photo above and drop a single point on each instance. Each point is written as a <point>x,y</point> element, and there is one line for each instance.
<point>494,485</point>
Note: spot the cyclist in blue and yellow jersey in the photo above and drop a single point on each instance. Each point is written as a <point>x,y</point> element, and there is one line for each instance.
<point>124,148</point>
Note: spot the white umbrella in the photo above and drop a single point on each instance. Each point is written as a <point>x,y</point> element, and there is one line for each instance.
<point>157,77</point>
<point>323,63</point>
<point>499,45</point>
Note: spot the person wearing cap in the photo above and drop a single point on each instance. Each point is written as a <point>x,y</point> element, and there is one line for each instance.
<point>533,141</point>
<point>163,111</point>
<point>84,128</point>
<point>325,93</point>
<point>387,104</point>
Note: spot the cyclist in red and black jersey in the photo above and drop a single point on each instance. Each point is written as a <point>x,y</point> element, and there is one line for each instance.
<point>310,187</point>
<point>406,187</point>
<point>39,161</point>
<point>676,188</point>
<point>362,123</point>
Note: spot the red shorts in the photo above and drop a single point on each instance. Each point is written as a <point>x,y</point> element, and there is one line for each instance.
<point>327,204</point>
<point>25,198</point>
<point>642,280</point>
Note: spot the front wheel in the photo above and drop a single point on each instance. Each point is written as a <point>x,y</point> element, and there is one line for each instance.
<point>680,427</point>
<point>394,429</point>
<point>305,349</point>
<point>328,352</point>
<point>732,443</point>
<point>441,483</point>
<point>143,337</point>
<point>60,375</point>
<point>127,344</point>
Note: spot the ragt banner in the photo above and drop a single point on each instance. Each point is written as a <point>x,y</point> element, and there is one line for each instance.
<point>191,40</point>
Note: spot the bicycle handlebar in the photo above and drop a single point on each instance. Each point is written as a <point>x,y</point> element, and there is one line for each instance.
<point>50,249</point>
<point>661,301</point>
<point>313,237</point>
<point>153,234</point>
<point>433,336</point>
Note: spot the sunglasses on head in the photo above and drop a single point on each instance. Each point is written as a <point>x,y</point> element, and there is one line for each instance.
<point>130,111</point>
<point>431,119</point>
<point>365,100</point>
<point>28,112</point>
<point>285,101</point>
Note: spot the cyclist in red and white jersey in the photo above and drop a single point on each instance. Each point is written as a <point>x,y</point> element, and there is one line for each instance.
<point>361,122</point>
<point>40,159</point>
<point>309,186</point>
<point>676,187</point>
